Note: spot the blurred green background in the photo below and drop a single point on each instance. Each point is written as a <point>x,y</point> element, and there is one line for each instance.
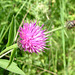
<point>60,58</point>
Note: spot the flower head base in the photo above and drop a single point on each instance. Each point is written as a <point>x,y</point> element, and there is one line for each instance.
<point>33,38</point>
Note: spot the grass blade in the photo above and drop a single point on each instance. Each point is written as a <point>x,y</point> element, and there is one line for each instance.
<point>62,13</point>
<point>9,48</point>
<point>12,32</point>
<point>11,57</point>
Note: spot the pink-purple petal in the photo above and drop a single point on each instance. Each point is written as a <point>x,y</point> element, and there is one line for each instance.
<point>33,38</point>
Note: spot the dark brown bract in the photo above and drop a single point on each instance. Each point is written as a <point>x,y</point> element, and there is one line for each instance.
<point>70,24</point>
<point>19,44</point>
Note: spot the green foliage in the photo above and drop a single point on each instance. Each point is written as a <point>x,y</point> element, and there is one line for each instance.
<point>54,14</point>
<point>12,57</point>
<point>13,67</point>
<point>12,32</point>
<point>9,48</point>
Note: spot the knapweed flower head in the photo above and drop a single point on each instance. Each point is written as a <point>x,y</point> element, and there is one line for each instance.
<point>33,37</point>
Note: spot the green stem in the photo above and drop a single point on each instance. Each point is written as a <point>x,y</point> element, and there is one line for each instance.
<point>9,48</point>
<point>57,29</point>
<point>62,13</point>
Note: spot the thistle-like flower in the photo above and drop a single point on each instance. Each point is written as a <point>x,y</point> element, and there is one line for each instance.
<point>32,37</point>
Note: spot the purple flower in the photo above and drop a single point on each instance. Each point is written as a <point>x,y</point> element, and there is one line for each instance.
<point>33,38</point>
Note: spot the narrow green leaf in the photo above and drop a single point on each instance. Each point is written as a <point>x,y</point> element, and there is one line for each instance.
<point>62,19</point>
<point>14,28</point>
<point>2,32</point>
<point>11,57</point>
<point>9,48</point>
<point>20,9</point>
<point>11,32</point>
<point>12,68</point>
